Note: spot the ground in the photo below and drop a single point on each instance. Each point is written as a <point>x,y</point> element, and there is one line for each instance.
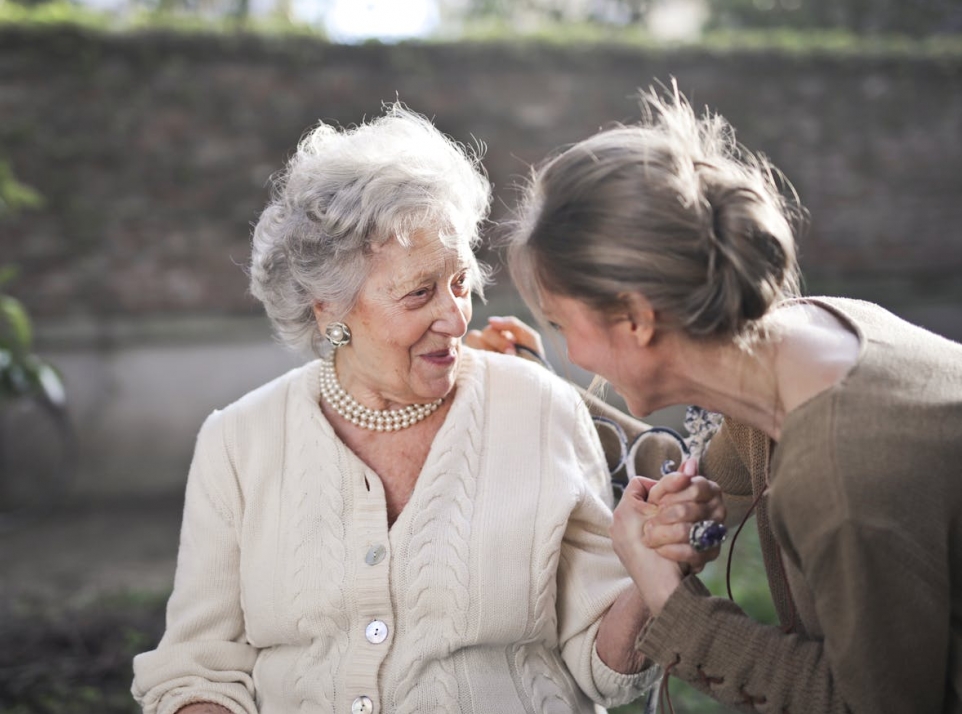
<point>83,590</point>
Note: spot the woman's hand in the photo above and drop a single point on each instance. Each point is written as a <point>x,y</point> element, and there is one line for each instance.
<point>504,334</point>
<point>655,577</point>
<point>683,498</point>
<point>651,528</point>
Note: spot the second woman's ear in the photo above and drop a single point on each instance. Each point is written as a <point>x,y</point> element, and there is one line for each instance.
<point>641,316</point>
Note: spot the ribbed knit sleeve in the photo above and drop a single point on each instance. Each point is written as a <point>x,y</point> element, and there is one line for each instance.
<point>711,643</point>
<point>204,655</point>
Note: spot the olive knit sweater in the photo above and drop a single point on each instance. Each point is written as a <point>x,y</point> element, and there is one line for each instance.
<point>861,531</point>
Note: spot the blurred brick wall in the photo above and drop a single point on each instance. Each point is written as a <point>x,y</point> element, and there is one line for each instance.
<point>153,150</point>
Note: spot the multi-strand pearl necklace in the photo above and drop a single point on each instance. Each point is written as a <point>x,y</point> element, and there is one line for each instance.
<point>358,414</point>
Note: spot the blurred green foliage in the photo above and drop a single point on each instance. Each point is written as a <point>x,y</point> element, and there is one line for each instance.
<point>917,18</point>
<point>22,373</point>
<point>794,25</point>
<point>15,196</point>
<point>143,17</point>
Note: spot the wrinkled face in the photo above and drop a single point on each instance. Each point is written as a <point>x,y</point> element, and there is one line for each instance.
<point>407,324</point>
<point>605,345</point>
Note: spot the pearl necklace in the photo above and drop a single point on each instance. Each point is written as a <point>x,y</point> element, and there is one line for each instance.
<point>358,414</point>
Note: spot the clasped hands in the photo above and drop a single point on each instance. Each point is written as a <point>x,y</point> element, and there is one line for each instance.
<point>651,526</point>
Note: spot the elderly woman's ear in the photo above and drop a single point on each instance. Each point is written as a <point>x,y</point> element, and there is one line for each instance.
<point>323,316</point>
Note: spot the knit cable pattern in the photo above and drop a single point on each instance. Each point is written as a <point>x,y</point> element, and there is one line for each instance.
<point>441,543</point>
<point>320,506</point>
<point>544,679</point>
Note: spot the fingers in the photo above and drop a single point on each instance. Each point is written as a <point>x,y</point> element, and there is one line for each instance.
<point>523,334</point>
<point>682,499</point>
<point>635,497</point>
<point>686,554</point>
<point>491,340</point>
<point>474,339</point>
<point>645,483</point>
<point>677,480</point>
<point>678,488</point>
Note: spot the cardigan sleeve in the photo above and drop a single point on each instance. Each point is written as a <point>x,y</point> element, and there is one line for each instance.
<point>712,644</point>
<point>590,579</point>
<point>203,655</point>
<point>873,657</point>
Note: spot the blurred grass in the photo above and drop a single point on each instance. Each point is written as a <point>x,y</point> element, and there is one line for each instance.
<point>76,660</point>
<point>749,590</point>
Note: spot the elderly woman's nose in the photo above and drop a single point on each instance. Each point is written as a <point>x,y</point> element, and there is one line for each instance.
<point>452,315</point>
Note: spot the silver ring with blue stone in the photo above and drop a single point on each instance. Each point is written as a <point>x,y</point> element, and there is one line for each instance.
<point>705,535</point>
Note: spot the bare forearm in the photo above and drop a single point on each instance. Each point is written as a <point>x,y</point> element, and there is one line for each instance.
<point>618,631</point>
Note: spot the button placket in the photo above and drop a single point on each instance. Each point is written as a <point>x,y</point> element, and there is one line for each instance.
<point>372,582</point>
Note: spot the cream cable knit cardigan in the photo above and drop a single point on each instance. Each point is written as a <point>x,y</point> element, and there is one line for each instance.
<point>493,579</point>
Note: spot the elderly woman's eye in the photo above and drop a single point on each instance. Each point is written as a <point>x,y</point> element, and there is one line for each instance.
<point>461,281</point>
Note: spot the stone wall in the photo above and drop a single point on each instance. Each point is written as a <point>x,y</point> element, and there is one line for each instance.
<point>153,151</point>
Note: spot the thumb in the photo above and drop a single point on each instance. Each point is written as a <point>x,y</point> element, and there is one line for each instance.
<point>637,488</point>
<point>648,483</point>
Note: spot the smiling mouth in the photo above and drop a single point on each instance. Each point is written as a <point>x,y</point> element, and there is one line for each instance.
<point>440,356</point>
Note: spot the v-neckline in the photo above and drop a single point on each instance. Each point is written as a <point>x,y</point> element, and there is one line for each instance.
<point>428,470</point>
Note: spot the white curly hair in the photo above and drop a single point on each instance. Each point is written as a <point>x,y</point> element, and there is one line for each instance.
<point>346,191</point>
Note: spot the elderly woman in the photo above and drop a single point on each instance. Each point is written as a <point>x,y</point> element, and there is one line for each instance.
<point>666,258</point>
<point>405,524</point>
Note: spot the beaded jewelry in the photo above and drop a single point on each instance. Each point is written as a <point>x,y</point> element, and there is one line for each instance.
<point>701,424</point>
<point>359,415</point>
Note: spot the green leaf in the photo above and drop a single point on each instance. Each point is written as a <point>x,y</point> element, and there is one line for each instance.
<point>15,316</point>
<point>15,196</point>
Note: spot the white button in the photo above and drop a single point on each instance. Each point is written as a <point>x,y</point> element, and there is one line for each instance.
<point>375,554</point>
<point>362,705</point>
<point>376,632</point>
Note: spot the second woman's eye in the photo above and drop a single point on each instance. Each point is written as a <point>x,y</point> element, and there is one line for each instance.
<point>554,326</point>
